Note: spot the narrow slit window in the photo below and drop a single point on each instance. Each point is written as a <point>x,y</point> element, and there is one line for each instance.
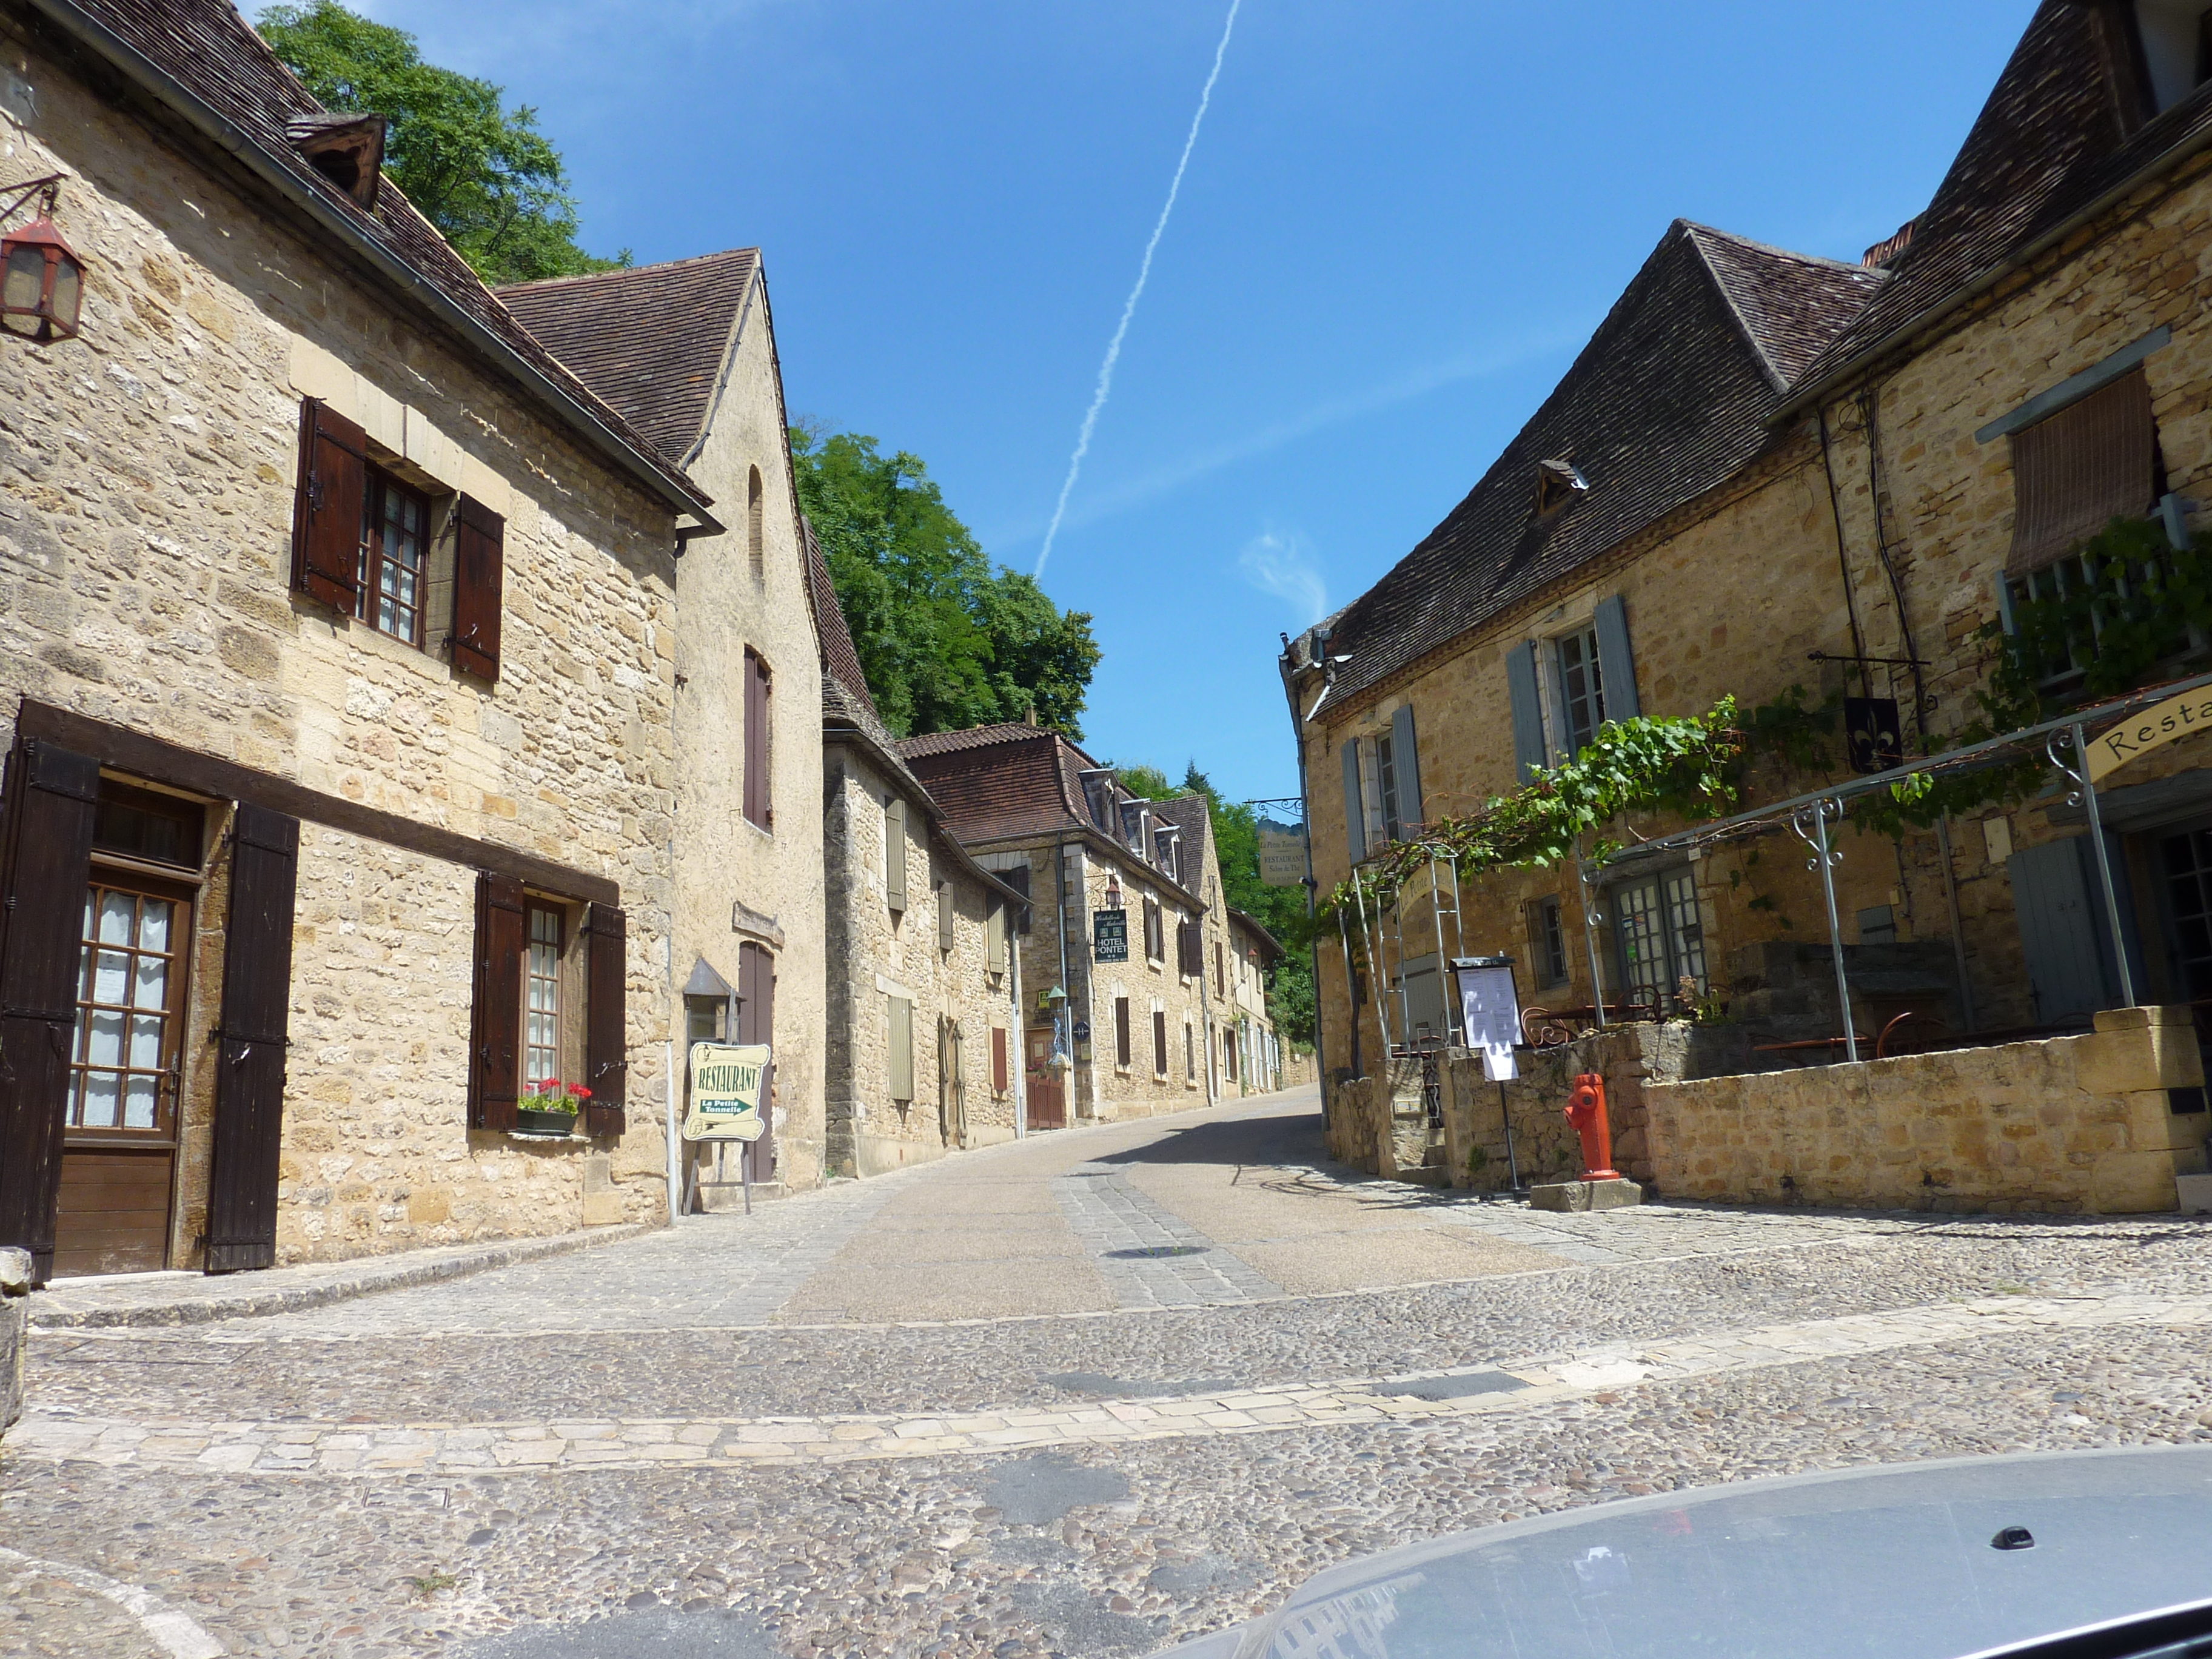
<point>542,1001</point>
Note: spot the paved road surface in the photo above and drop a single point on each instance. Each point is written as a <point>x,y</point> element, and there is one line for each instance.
<point>1086,1394</point>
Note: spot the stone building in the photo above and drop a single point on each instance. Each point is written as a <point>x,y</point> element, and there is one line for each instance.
<point>1761,456</point>
<point>1122,1018</point>
<point>1252,1059</point>
<point>686,352</point>
<point>339,635</point>
<point>924,989</point>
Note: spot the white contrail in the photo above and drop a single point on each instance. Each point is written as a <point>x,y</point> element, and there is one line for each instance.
<point>1144,272</point>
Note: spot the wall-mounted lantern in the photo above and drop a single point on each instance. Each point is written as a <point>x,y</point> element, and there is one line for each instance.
<point>41,278</point>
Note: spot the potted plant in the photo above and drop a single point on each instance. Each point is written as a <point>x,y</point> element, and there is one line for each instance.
<point>552,1111</point>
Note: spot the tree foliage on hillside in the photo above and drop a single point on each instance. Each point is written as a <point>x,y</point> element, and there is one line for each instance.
<point>946,639</point>
<point>482,173</point>
<point>1280,910</point>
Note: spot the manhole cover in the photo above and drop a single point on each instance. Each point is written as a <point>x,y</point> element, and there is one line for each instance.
<point>1152,1252</point>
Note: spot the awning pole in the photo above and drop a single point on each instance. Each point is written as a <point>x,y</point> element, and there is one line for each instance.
<point>2087,792</point>
<point>1824,861</point>
<point>1591,917</point>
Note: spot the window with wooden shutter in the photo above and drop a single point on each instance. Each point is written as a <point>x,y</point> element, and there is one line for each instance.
<point>895,854</point>
<point>2076,471</point>
<point>326,510</point>
<point>995,948</point>
<point>756,1024</point>
<point>606,1021</point>
<point>901,1049</point>
<point>1189,1054</point>
<point>945,916</point>
<point>1406,767</point>
<point>1355,808</point>
<point>999,1065</point>
<point>45,859</point>
<point>1122,1032</point>
<point>249,1091</point>
<point>495,1021</point>
<point>1220,985</point>
<point>1159,1043</point>
<point>1530,756</point>
<point>1616,662</point>
<point>759,729</point>
<point>1019,879</point>
<point>479,583</point>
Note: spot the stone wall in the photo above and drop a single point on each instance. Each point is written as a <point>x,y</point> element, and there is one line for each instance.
<point>2079,1125</point>
<point>877,954</point>
<point>736,880</point>
<point>144,560</point>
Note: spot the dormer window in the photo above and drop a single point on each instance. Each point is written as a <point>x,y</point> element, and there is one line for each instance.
<point>2176,41</point>
<point>346,150</point>
<point>1558,483</point>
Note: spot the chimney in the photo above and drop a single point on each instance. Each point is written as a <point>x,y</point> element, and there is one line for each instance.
<point>1028,715</point>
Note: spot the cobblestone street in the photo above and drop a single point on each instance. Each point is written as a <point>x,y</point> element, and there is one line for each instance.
<point>1088,1394</point>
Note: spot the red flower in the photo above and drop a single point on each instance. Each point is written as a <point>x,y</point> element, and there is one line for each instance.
<point>580,1092</point>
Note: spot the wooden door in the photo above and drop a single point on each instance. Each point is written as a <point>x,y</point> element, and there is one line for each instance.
<point>1048,1094</point>
<point>119,1122</point>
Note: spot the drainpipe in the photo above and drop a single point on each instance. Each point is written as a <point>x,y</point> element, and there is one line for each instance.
<point>1062,1023</point>
<point>1018,1038</point>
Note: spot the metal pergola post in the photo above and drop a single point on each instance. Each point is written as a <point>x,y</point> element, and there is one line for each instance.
<point>2086,792</point>
<point>1592,918</point>
<point>1437,915</point>
<point>1825,861</point>
<point>1374,972</point>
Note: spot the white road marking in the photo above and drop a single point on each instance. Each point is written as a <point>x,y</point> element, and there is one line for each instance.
<point>176,1633</point>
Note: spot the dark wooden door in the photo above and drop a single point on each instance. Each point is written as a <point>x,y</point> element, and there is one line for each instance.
<point>256,992</point>
<point>1048,1094</point>
<point>46,852</point>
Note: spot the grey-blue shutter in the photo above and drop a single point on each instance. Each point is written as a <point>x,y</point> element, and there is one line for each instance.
<point>1615,664</point>
<point>1527,709</point>
<point>2063,930</point>
<point>1406,761</point>
<point>1355,817</point>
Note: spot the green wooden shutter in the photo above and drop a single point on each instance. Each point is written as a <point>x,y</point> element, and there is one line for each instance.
<point>895,854</point>
<point>1405,762</point>
<point>1616,664</point>
<point>901,1049</point>
<point>1528,753</point>
<point>1355,815</point>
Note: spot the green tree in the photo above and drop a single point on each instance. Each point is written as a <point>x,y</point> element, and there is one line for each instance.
<point>946,639</point>
<point>482,173</point>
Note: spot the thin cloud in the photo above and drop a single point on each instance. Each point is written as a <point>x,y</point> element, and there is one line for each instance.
<point>1415,383</point>
<point>1285,568</point>
<point>1129,310</point>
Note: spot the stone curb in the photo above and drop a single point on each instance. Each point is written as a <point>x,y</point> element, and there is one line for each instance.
<point>368,1276</point>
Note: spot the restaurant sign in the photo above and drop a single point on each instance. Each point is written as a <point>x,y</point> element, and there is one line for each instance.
<point>2139,734</point>
<point>728,1085</point>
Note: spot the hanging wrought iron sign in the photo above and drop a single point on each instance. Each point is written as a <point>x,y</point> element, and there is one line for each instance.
<point>1874,733</point>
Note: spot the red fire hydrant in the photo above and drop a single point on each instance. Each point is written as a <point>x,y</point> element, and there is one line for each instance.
<point>1586,1111</point>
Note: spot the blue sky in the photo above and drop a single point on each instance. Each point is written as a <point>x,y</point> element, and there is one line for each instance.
<point>1401,219</point>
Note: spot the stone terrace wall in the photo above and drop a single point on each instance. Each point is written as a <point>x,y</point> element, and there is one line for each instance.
<point>2081,1125</point>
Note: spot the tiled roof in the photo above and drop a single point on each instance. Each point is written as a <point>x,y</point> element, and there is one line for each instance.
<point>2050,143</point>
<point>1018,784</point>
<point>839,659</point>
<point>651,340</point>
<point>1270,946</point>
<point>200,58</point>
<point>974,736</point>
<point>1672,395</point>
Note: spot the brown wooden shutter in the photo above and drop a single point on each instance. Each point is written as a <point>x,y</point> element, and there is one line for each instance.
<point>945,911</point>
<point>255,1025</point>
<point>479,580</point>
<point>1159,1043</point>
<point>327,511</point>
<point>47,854</point>
<point>606,1023</point>
<point>495,1037</point>
<point>2076,471</point>
<point>998,1060</point>
<point>1121,1030</point>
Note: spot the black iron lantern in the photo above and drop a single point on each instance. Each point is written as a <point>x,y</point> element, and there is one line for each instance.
<point>41,278</point>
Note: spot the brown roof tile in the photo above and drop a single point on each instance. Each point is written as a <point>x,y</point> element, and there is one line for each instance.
<point>204,50</point>
<point>2053,140</point>
<point>1672,395</point>
<point>651,340</point>
<point>973,737</point>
